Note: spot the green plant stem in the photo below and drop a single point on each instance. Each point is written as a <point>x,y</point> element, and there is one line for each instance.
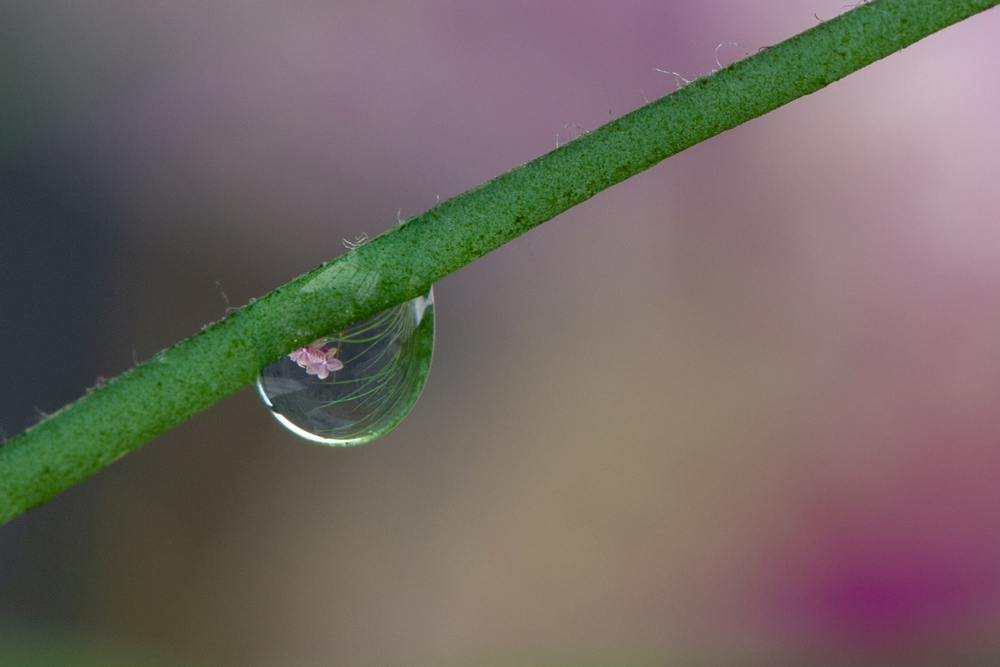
<point>84,437</point>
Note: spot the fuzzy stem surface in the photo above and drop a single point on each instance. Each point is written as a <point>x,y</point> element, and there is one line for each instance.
<point>114,419</point>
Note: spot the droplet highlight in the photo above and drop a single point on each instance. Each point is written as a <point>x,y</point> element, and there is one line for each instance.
<point>354,385</point>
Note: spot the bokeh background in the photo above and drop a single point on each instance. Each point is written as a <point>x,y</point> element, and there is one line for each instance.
<point>741,409</point>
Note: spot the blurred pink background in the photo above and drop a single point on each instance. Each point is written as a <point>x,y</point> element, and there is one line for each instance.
<point>741,409</point>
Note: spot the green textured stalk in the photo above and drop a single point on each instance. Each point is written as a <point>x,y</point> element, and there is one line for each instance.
<point>114,419</point>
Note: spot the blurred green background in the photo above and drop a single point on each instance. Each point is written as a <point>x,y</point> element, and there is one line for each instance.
<point>741,409</point>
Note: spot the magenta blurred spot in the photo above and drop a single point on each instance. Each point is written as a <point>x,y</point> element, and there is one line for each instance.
<point>895,549</point>
<point>899,595</point>
<point>888,581</point>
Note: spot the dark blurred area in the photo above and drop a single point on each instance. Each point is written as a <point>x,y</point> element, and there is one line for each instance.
<point>57,246</point>
<point>742,409</point>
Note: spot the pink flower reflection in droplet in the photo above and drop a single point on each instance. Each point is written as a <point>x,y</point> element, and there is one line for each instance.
<point>318,358</point>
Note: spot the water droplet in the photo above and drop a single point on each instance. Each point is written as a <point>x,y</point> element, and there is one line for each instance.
<point>352,386</point>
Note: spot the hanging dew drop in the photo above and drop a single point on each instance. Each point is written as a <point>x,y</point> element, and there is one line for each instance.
<point>352,386</point>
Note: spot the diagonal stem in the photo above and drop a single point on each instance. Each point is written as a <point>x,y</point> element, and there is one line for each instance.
<point>84,437</point>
